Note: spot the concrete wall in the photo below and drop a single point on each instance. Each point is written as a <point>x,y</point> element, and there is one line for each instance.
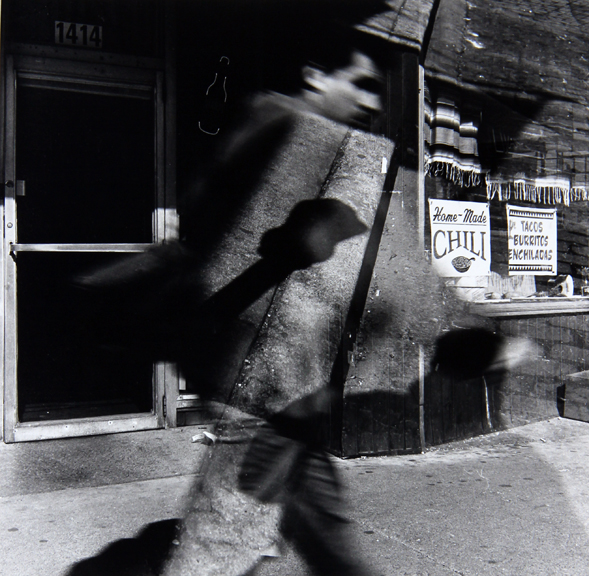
<point>296,348</point>
<point>296,171</point>
<point>408,308</point>
<point>283,346</point>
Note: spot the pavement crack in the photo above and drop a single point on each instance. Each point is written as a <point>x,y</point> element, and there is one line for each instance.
<point>480,473</point>
<point>421,553</point>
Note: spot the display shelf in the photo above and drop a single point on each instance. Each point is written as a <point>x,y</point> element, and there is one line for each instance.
<point>535,306</point>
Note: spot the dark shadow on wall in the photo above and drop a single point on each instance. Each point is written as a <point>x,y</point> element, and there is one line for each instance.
<point>386,422</point>
<point>560,399</point>
<point>463,396</point>
<point>267,45</point>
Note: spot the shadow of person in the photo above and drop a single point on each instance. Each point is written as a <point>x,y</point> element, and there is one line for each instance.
<point>143,555</point>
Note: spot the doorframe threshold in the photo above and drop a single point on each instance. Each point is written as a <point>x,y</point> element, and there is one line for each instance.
<point>32,431</point>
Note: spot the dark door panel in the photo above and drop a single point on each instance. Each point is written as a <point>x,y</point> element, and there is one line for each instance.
<point>88,164</point>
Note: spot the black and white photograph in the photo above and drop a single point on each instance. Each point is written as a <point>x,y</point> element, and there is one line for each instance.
<point>294,288</point>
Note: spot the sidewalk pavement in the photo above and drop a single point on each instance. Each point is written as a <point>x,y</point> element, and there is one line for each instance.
<point>509,503</point>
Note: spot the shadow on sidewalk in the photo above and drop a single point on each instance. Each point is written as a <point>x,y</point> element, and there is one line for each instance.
<point>143,555</point>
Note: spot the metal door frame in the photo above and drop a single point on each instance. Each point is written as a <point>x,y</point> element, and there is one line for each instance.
<point>87,76</point>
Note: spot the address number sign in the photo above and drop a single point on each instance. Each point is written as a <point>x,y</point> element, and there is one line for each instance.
<point>74,34</point>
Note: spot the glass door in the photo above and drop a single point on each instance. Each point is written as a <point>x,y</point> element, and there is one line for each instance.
<point>83,188</point>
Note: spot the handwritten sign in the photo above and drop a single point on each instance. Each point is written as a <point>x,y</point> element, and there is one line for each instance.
<point>461,233</point>
<point>531,241</point>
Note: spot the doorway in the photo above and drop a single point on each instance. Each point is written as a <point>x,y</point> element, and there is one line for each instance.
<point>83,188</point>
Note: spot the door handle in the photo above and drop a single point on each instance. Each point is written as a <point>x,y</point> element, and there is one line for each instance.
<point>20,187</point>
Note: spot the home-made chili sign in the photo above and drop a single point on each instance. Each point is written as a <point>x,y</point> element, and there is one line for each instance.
<point>531,241</point>
<point>461,235</point>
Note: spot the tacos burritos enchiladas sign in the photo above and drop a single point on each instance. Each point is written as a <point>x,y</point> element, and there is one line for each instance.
<point>532,248</point>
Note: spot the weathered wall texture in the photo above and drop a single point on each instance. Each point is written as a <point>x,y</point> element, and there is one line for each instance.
<point>407,307</point>
<point>296,349</point>
<point>530,392</point>
<point>296,172</point>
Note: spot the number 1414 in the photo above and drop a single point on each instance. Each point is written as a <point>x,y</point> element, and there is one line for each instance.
<point>75,34</point>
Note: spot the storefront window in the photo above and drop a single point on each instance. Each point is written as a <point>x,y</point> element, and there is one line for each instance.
<point>526,160</point>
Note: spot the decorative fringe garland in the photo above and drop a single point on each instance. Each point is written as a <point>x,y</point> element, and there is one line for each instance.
<point>540,191</point>
<point>451,151</point>
<point>459,176</point>
<point>526,191</point>
<point>579,194</point>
